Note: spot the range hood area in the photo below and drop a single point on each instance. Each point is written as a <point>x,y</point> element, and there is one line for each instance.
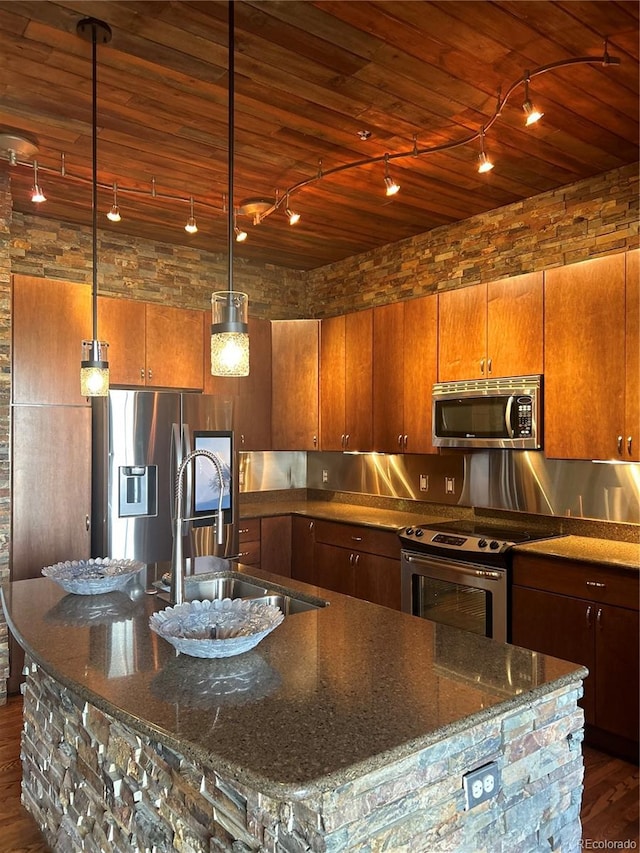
<point>522,481</point>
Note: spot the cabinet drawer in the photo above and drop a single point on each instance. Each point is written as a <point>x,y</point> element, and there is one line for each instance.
<point>368,539</point>
<point>249,553</point>
<point>590,581</point>
<point>249,530</point>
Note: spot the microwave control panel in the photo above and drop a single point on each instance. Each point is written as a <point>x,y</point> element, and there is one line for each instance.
<point>524,415</point>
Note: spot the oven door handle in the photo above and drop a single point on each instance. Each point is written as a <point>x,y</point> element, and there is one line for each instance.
<point>459,568</point>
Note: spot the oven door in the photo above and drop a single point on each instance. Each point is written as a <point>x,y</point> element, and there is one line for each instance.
<point>464,595</point>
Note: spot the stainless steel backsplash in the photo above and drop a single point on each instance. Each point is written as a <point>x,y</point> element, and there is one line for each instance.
<point>522,481</point>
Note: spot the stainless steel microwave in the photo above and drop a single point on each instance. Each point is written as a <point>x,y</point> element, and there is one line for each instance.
<point>502,413</point>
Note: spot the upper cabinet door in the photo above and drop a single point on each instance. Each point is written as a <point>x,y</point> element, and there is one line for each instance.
<point>631,449</point>
<point>388,381</point>
<point>585,359</point>
<point>515,326</point>
<point>462,333</point>
<point>122,322</point>
<point>174,338</point>
<point>294,397</point>
<point>332,383</point>
<point>358,380</point>
<point>420,371</point>
<point>252,413</point>
<point>50,320</point>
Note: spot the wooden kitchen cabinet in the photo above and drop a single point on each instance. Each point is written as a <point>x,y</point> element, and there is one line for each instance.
<point>588,339</point>
<point>359,561</point>
<point>404,370</point>
<point>276,544</point>
<point>152,345</point>
<point>294,386</point>
<point>249,541</point>
<point>50,320</point>
<point>346,381</point>
<point>302,549</point>
<point>492,330</point>
<point>586,614</point>
<point>631,437</point>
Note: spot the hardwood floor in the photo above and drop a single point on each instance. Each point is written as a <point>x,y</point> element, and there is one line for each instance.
<point>610,805</point>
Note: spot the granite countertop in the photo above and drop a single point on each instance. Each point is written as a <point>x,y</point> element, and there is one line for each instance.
<point>623,554</point>
<point>328,696</point>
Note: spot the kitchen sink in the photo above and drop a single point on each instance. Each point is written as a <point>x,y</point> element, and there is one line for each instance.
<point>239,586</point>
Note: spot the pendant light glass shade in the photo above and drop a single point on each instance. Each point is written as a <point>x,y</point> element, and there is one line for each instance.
<point>94,369</point>
<point>229,333</point>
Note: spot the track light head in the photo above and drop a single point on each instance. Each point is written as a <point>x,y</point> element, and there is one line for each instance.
<point>292,216</point>
<point>37,195</point>
<point>191,227</point>
<point>532,114</point>
<point>114,213</point>
<point>240,235</point>
<point>484,164</point>
<point>391,186</point>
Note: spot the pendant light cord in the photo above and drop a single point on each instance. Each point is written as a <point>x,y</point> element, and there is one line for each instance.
<point>94,189</point>
<point>230,98</point>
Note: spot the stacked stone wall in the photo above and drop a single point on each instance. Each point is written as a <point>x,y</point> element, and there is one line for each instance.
<point>5,409</point>
<point>93,784</point>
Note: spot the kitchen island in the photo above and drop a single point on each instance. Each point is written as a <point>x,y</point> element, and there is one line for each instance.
<point>349,728</point>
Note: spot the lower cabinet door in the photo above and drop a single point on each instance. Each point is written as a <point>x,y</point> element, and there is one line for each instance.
<point>302,549</point>
<point>616,670</point>
<point>378,579</point>
<point>335,568</point>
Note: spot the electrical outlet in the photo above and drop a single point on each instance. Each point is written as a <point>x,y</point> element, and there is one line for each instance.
<point>449,485</point>
<point>325,475</point>
<point>424,482</point>
<point>481,784</point>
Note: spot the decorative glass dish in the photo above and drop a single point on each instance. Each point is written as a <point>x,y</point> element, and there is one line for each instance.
<point>216,629</point>
<point>93,577</point>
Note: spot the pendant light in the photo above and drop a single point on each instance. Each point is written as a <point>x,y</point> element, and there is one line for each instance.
<point>229,308</point>
<point>94,367</point>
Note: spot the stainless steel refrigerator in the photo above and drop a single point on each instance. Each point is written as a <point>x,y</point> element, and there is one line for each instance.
<point>139,440</point>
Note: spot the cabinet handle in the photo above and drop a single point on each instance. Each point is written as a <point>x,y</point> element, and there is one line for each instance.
<point>351,559</point>
<point>488,365</point>
<point>357,560</point>
<point>404,441</point>
<point>315,440</point>
<point>482,366</point>
<point>596,584</point>
<point>346,440</point>
<point>241,438</point>
<point>87,522</point>
<point>311,525</point>
<point>342,441</point>
<point>243,530</point>
<point>619,444</point>
<point>150,374</point>
<point>400,440</point>
<point>599,618</point>
<point>588,615</point>
<point>629,443</point>
<point>142,373</point>
<point>356,538</point>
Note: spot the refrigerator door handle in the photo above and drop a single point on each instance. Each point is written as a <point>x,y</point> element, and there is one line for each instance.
<point>189,485</point>
<point>174,464</point>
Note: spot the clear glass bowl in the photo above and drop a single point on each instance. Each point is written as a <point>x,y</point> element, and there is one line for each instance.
<point>93,577</point>
<point>216,629</point>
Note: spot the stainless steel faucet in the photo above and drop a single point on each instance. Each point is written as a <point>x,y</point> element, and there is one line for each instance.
<point>176,595</point>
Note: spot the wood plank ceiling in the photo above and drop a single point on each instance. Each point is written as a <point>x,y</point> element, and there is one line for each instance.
<point>310,77</point>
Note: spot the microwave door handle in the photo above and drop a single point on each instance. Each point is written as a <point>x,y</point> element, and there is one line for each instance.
<point>507,416</point>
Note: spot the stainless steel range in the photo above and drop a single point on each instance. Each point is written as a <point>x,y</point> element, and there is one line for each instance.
<point>458,573</point>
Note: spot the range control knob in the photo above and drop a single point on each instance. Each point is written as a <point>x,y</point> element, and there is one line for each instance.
<point>494,545</point>
<point>419,531</point>
<point>482,543</point>
<point>409,531</point>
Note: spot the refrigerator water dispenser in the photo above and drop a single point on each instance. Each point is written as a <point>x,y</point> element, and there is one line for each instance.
<point>138,490</point>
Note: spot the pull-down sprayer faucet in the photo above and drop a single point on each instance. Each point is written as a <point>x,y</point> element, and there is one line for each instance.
<point>177,558</point>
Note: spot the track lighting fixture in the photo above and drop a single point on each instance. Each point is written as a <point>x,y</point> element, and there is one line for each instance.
<point>532,114</point>
<point>94,366</point>
<point>19,149</point>
<point>391,187</point>
<point>37,196</point>
<point>229,308</point>
<point>484,164</point>
<point>114,213</point>
<point>191,226</point>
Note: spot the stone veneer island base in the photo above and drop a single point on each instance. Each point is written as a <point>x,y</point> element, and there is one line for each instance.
<point>110,764</point>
